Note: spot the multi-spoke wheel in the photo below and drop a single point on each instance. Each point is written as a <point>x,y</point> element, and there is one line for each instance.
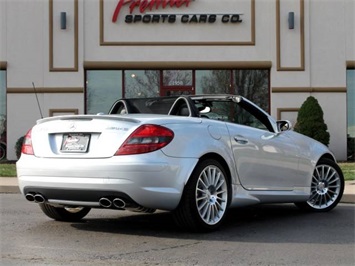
<point>67,214</point>
<point>327,187</point>
<point>206,197</point>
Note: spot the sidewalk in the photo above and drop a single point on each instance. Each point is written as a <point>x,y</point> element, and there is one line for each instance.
<point>10,185</point>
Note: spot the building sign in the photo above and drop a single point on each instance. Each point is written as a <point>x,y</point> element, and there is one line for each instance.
<point>144,6</point>
<point>165,22</point>
<point>183,18</point>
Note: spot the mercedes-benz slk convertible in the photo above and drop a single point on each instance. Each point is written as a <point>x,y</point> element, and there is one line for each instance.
<point>196,156</point>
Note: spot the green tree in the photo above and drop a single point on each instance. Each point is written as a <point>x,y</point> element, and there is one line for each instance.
<point>310,121</point>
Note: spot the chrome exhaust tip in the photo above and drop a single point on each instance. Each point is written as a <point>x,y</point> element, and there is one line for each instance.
<point>105,202</point>
<point>38,198</point>
<point>30,197</point>
<point>119,203</point>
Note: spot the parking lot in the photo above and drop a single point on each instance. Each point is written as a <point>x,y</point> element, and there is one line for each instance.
<point>262,235</point>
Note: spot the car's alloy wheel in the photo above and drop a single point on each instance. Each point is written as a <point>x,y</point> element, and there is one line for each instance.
<point>326,188</point>
<point>205,199</point>
<point>211,195</point>
<point>69,214</point>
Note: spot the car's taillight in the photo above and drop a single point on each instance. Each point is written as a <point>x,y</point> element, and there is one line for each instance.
<point>146,138</point>
<point>27,144</point>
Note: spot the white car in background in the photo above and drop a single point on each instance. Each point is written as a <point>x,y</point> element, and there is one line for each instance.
<point>196,156</point>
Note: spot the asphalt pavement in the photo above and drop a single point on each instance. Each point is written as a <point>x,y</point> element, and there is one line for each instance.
<point>10,185</point>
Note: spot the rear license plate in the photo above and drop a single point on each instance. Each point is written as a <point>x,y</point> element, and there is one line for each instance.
<point>77,142</point>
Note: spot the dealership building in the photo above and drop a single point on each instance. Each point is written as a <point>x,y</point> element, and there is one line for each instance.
<point>78,56</point>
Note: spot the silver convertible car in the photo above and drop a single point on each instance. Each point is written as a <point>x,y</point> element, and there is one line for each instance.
<point>196,156</point>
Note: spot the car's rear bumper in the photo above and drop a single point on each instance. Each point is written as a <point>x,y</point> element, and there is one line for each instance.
<point>154,181</point>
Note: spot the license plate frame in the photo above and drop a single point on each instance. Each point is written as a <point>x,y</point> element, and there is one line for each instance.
<point>75,143</point>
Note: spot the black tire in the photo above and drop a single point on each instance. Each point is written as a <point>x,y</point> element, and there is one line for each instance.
<point>327,187</point>
<point>205,199</point>
<point>64,214</point>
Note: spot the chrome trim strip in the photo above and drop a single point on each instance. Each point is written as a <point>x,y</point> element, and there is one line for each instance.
<point>74,203</point>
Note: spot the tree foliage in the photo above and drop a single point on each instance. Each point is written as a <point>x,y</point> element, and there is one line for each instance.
<point>310,121</point>
<point>144,83</point>
<point>253,84</point>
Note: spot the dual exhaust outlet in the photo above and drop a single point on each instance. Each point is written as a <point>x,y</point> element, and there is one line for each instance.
<point>104,202</point>
<point>116,203</point>
<point>38,198</point>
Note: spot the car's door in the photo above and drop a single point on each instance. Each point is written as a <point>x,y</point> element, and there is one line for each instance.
<point>265,160</point>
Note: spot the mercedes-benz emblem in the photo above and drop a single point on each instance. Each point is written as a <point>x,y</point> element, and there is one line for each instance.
<point>72,126</point>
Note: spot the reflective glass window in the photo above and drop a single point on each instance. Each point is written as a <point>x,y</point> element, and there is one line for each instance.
<point>350,77</point>
<point>253,84</point>
<point>103,87</point>
<point>177,77</point>
<point>141,83</point>
<point>213,81</point>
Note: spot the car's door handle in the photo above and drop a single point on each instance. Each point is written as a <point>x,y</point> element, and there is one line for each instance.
<point>240,140</point>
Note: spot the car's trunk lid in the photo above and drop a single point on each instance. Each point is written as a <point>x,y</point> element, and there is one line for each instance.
<point>82,136</point>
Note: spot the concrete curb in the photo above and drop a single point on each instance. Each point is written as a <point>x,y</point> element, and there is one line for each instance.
<point>347,198</point>
<point>349,192</point>
<point>10,185</point>
<point>9,189</point>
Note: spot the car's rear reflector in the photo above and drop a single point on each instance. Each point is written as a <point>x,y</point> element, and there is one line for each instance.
<point>27,147</point>
<point>146,138</point>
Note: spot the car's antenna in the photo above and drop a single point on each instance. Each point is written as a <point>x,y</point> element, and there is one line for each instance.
<point>39,106</point>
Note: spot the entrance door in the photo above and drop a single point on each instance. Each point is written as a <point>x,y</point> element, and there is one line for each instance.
<point>177,82</point>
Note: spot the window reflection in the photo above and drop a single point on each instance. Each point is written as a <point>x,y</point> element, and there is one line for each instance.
<point>177,77</point>
<point>103,87</point>
<point>213,81</point>
<point>141,83</point>
<point>350,84</point>
<point>254,85</point>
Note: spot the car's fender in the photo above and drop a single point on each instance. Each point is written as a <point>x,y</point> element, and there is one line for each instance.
<point>207,138</point>
<point>310,152</point>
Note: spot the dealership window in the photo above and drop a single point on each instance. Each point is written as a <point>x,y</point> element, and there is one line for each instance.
<point>350,76</point>
<point>2,114</point>
<point>252,84</point>
<point>177,78</point>
<point>141,83</point>
<point>177,82</point>
<point>213,81</point>
<point>104,86</point>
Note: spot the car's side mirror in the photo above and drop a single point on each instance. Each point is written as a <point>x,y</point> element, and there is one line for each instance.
<point>284,125</point>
